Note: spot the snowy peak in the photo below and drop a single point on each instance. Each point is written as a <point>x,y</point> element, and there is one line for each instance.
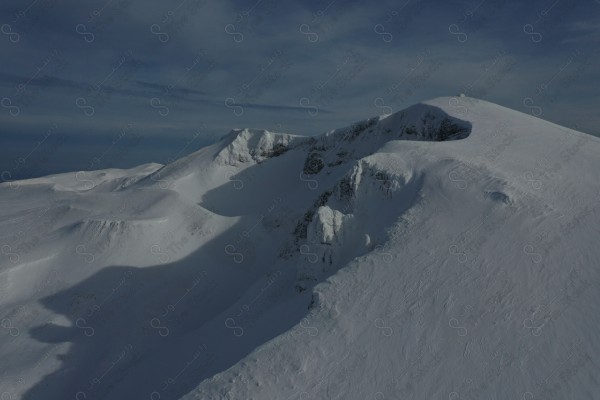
<point>421,122</point>
<point>426,122</point>
<point>246,145</point>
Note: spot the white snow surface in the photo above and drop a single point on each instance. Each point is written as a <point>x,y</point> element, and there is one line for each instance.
<point>448,251</point>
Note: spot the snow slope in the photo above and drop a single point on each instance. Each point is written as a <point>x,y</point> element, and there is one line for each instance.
<point>448,251</point>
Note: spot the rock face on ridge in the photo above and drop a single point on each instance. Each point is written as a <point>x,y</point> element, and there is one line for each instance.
<point>246,145</point>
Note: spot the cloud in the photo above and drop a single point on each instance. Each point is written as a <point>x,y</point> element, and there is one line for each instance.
<point>583,32</point>
<point>159,88</point>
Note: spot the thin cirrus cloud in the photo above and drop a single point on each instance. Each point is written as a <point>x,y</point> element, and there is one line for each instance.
<point>210,66</point>
<point>587,32</point>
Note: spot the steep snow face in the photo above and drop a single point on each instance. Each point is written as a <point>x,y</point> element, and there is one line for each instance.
<point>445,251</point>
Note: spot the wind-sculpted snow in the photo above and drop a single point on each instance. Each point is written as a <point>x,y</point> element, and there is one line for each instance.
<point>446,251</point>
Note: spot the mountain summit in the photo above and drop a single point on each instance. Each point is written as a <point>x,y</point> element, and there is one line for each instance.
<point>444,251</point>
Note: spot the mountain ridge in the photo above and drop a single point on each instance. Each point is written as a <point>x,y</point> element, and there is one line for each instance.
<point>402,255</point>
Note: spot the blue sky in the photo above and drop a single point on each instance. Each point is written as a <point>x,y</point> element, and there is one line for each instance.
<point>92,84</point>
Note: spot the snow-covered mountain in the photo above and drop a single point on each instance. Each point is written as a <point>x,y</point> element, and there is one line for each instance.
<point>447,251</point>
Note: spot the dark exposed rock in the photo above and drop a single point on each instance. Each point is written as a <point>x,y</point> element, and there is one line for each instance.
<point>300,232</point>
<point>277,150</point>
<point>360,127</point>
<point>313,164</point>
<point>410,130</point>
<point>345,189</point>
<point>450,130</point>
